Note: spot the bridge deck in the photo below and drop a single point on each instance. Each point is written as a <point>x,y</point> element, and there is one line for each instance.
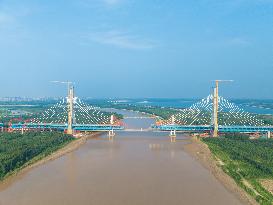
<point>206,128</point>
<point>184,128</point>
<point>77,127</point>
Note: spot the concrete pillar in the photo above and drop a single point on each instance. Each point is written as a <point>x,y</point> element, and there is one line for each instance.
<point>111,135</point>
<point>173,135</point>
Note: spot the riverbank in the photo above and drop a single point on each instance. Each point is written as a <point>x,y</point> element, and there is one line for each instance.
<point>40,160</point>
<point>72,146</point>
<point>202,153</point>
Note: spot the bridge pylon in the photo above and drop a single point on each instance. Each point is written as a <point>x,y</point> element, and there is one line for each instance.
<point>216,107</point>
<point>112,119</point>
<point>215,110</point>
<point>70,109</point>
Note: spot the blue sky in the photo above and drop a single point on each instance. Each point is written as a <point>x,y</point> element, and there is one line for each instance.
<point>136,48</point>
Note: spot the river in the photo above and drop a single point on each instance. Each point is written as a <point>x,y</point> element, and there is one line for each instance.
<point>137,168</point>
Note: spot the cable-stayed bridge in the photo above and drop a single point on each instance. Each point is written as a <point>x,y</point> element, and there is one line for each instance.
<point>71,114</point>
<point>212,114</point>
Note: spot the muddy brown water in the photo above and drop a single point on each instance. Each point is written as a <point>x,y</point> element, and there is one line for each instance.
<point>136,168</point>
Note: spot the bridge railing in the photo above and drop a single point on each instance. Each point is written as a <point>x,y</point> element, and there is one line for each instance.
<point>97,127</point>
<point>199,128</point>
<point>246,129</point>
<point>205,128</point>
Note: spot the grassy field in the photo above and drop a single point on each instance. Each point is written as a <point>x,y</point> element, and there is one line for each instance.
<point>247,161</point>
<point>18,151</point>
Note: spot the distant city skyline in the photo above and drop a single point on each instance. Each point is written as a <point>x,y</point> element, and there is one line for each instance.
<point>136,48</point>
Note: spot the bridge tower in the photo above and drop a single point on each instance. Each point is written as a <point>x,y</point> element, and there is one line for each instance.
<point>215,122</point>
<point>112,119</point>
<point>215,109</point>
<point>70,105</point>
<point>70,109</point>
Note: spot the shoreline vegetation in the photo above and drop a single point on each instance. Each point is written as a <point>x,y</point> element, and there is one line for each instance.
<point>21,150</point>
<point>54,146</point>
<point>248,162</point>
<point>18,151</point>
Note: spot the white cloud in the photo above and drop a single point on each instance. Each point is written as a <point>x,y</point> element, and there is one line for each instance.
<point>120,39</point>
<point>238,41</point>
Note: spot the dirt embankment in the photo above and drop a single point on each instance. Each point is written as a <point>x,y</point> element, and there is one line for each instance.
<point>201,152</point>
<point>268,184</point>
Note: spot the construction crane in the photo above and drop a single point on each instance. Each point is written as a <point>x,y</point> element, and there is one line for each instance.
<point>68,83</point>
<point>216,106</point>
<point>219,81</point>
<point>64,82</point>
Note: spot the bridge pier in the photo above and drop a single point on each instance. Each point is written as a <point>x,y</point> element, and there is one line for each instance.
<point>173,135</point>
<point>111,135</point>
<point>173,132</point>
